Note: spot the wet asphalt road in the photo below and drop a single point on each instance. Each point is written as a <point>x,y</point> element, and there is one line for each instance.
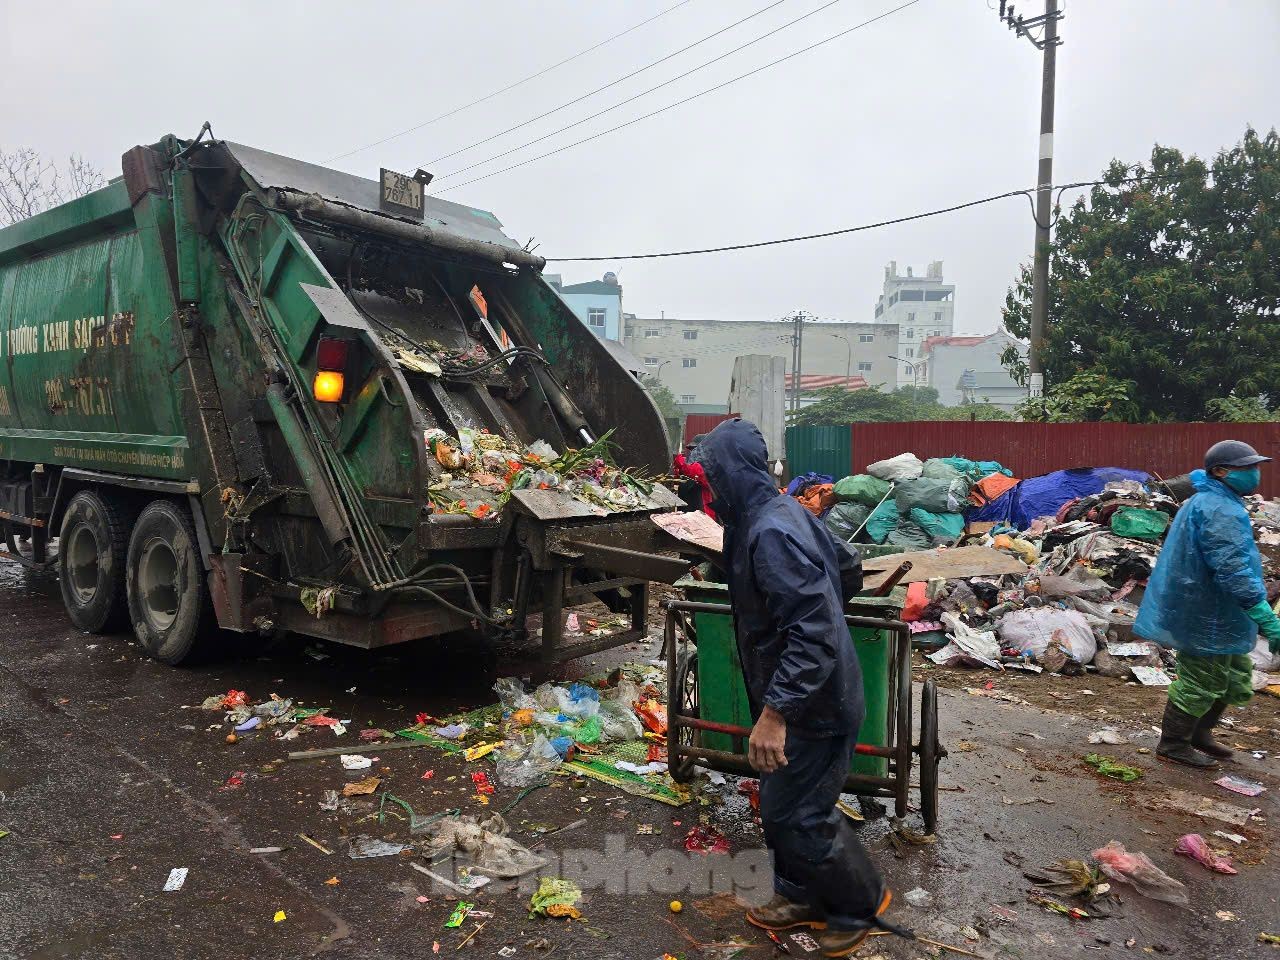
<point>109,778</point>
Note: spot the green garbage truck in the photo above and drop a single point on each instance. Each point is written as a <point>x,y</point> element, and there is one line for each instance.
<point>245,392</point>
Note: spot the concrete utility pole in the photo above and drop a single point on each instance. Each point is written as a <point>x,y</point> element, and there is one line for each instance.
<point>797,357</point>
<point>1047,42</point>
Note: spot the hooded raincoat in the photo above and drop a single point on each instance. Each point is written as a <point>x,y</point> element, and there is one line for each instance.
<point>1209,573</point>
<point>788,581</point>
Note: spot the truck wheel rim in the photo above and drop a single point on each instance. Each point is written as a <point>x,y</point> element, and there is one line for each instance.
<point>158,584</point>
<point>82,565</point>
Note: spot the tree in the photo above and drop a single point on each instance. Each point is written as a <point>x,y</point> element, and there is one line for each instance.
<point>1171,282</point>
<point>1085,398</point>
<point>30,184</point>
<point>837,406</point>
<point>662,398</point>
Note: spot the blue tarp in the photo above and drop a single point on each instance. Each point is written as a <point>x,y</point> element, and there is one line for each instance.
<point>1042,496</point>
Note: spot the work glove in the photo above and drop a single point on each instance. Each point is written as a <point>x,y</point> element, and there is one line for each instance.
<point>1268,623</point>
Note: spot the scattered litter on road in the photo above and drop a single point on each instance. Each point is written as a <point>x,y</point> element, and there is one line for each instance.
<point>235,781</point>
<point>555,897</point>
<point>1271,938</point>
<point>1233,837</point>
<point>1194,846</point>
<point>1152,676</point>
<point>919,897</point>
<point>1202,807</point>
<point>361,788</point>
<point>459,914</point>
<point>365,848</point>
<point>706,839</point>
<point>177,877</point>
<point>315,843</point>
<point>354,761</point>
<point>443,881</point>
<point>1108,735</point>
<point>329,801</point>
<point>1057,906</point>
<point>507,952</point>
<point>1137,870</point>
<point>332,882</point>
<point>279,917</point>
<point>266,849</point>
<point>804,942</point>
<point>1238,784</point>
<point>1113,768</point>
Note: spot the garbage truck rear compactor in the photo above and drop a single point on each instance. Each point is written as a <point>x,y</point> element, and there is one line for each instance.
<point>226,377</point>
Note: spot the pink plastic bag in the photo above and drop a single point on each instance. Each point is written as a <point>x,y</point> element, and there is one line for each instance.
<point>1193,845</point>
<point>1137,870</point>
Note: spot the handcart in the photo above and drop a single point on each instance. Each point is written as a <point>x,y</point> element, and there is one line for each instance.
<point>709,718</point>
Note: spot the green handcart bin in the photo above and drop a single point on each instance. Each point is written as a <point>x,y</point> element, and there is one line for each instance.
<point>709,715</point>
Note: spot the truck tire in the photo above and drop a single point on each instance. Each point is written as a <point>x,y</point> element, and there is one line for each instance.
<point>92,548</point>
<point>168,595</point>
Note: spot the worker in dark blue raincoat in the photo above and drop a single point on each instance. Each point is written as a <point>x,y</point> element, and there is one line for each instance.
<point>789,580</point>
<point>1207,600</point>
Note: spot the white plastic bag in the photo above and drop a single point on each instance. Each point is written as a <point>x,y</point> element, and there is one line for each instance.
<point>1034,629</point>
<point>523,763</point>
<point>1263,659</point>
<point>905,466</point>
<point>967,646</point>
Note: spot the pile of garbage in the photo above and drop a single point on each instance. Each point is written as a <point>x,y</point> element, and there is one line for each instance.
<point>1089,537</point>
<point>482,469</point>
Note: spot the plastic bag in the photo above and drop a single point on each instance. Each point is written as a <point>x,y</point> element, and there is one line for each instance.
<point>862,488</point>
<point>512,695</point>
<point>938,469</point>
<point>905,466</point>
<point>485,843</point>
<point>938,526</point>
<point>936,496</point>
<point>1193,845</point>
<point>817,497</point>
<point>1034,629</point>
<point>967,646</point>
<point>917,600</point>
<point>1137,523</point>
<point>846,519</point>
<point>523,763</point>
<point>1137,870</point>
<point>907,534</point>
<point>883,519</point>
<point>1263,659</point>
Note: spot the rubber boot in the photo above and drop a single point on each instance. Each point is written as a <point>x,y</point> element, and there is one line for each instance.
<point>1175,739</point>
<point>1202,736</point>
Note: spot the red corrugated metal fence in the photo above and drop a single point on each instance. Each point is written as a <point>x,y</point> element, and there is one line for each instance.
<point>696,423</point>
<point>1029,449</point>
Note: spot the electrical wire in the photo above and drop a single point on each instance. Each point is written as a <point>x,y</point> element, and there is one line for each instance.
<point>688,99</point>
<point>614,83</point>
<point>510,86</point>
<point>1029,193</point>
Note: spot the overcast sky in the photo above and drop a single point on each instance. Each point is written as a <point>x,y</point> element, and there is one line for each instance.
<point>933,105</point>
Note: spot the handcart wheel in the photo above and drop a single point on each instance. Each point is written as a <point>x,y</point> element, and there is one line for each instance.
<point>680,767</point>
<point>931,754</point>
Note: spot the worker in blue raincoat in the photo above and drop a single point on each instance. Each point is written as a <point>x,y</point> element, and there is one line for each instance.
<point>789,580</point>
<point>1207,600</point>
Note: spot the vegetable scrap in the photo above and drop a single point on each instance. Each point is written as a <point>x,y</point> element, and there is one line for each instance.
<point>1113,768</point>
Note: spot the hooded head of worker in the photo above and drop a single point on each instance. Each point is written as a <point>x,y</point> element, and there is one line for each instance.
<point>1236,464</point>
<point>735,459</point>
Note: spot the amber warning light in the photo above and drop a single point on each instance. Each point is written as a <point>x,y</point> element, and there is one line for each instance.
<point>331,362</point>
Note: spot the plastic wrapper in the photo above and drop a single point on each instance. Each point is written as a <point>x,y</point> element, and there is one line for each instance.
<point>968,646</point>
<point>1034,629</point>
<point>905,466</point>
<point>522,763</point>
<point>512,695</point>
<point>1137,870</point>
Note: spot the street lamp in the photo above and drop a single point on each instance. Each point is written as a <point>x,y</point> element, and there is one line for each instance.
<point>915,386</point>
<point>848,355</point>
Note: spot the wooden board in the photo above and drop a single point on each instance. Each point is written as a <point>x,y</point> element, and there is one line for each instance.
<point>693,528</point>
<point>946,564</point>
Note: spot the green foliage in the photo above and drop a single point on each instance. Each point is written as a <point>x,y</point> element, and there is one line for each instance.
<point>662,398</point>
<point>1235,409</point>
<point>1086,397</point>
<point>837,406</point>
<point>1172,284</point>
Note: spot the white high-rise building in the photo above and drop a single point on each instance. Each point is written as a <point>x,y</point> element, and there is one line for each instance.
<point>922,307</point>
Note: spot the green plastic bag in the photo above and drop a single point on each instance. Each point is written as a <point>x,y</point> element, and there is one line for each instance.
<point>938,526</point>
<point>975,470</point>
<point>907,534</point>
<point>936,469</point>
<point>883,519</point>
<point>936,496</point>
<point>845,519</point>
<point>863,488</point>
<point>1137,523</point>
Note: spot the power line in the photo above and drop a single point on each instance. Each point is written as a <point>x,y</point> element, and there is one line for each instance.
<point>510,86</point>
<point>866,226</point>
<point>612,83</point>
<point>654,113</point>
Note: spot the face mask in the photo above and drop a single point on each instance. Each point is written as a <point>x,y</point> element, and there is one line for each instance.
<point>1243,481</point>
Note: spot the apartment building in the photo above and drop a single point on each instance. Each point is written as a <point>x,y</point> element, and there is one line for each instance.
<point>922,307</point>
<point>694,358</point>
